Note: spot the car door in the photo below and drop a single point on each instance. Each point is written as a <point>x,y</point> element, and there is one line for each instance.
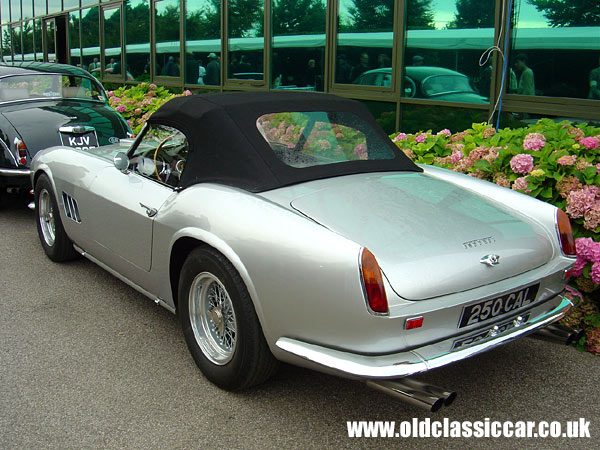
<point>127,203</point>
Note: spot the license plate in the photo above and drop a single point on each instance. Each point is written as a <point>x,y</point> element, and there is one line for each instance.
<point>81,141</point>
<point>503,326</point>
<point>497,306</point>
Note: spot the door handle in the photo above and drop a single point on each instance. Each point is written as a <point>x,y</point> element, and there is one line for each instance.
<point>150,212</point>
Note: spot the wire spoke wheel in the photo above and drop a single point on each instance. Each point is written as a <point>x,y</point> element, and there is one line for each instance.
<point>46,217</point>
<point>212,318</point>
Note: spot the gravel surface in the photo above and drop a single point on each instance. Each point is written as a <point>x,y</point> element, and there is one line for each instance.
<point>87,362</point>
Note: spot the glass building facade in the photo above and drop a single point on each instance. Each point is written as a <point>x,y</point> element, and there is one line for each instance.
<point>417,64</point>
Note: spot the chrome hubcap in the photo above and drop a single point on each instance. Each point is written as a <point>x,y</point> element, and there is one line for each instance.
<point>212,318</point>
<point>46,218</point>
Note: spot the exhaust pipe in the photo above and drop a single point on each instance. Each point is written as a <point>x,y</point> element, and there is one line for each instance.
<point>559,334</point>
<point>417,393</point>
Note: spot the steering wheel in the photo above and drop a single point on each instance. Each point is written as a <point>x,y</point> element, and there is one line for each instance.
<point>154,159</point>
<point>410,88</point>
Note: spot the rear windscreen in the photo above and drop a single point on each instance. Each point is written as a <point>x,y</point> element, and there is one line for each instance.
<point>306,139</point>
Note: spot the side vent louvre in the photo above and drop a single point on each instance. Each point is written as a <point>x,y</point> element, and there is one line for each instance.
<point>71,209</point>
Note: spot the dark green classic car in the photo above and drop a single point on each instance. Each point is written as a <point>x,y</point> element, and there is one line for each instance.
<point>47,104</point>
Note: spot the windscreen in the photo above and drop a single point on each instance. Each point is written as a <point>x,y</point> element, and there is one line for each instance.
<point>445,84</point>
<point>40,86</point>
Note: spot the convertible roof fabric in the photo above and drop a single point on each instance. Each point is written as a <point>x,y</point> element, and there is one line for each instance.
<point>226,146</point>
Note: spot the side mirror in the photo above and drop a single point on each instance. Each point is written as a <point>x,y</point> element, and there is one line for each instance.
<point>121,162</point>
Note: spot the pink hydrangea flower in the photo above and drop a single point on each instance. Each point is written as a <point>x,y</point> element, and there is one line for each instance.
<point>360,150</point>
<point>121,108</point>
<point>534,141</point>
<point>521,163</point>
<point>589,142</point>
<point>187,92</point>
<point>582,164</point>
<point>421,138</point>
<point>477,174</point>
<point>501,180</point>
<point>579,266</point>
<point>456,157</point>
<point>489,132</point>
<point>446,132</point>
<point>521,184</point>
<point>441,161</point>
<point>588,249</point>
<point>568,184</point>
<point>581,201</point>
<point>574,292</point>
<point>324,144</point>
<point>400,137</point>
<point>153,87</point>
<point>595,273</point>
<point>492,155</point>
<point>110,93</point>
<point>129,122</point>
<point>408,152</point>
<point>567,160</point>
<point>577,133</point>
<point>459,136</point>
<point>592,217</point>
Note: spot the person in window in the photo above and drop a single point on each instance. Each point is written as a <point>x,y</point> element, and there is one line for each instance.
<point>343,71</point>
<point>383,61</point>
<point>311,73</point>
<point>418,60</point>
<point>95,64</point>
<point>168,68</point>
<point>526,80</point>
<point>201,72</point>
<point>362,67</point>
<point>191,69</point>
<point>595,82</point>
<point>213,70</point>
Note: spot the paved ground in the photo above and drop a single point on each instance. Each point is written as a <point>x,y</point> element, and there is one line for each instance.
<point>87,362</point>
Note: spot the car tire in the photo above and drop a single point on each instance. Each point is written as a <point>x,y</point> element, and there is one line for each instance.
<point>57,245</point>
<point>220,325</point>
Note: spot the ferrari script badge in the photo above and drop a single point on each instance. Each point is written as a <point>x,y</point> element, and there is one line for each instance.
<point>490,260</point>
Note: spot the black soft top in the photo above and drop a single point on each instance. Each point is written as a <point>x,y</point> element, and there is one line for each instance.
<point>226,146</point>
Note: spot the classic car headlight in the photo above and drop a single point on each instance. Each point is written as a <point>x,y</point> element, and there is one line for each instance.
<point>373,283</point>
<point>565,233</point>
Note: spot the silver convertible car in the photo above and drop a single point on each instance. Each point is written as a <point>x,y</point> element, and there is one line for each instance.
<point>288,227</point>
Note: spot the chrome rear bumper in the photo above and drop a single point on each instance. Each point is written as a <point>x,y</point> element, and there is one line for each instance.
<point>407,363</point>
<point>15,172</point>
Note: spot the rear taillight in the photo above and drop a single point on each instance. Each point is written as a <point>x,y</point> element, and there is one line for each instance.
<point>565,233</point>
<point>21,151</point>
<point>373,283</point>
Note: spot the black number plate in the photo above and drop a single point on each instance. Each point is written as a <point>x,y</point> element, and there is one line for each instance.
<point>502,326</point>
<point>81,141</point>
<point>497,306</point>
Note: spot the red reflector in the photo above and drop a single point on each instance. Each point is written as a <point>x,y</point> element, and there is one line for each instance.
<point>23,161</point>
<point>568,274</point>
<point>415,322</point>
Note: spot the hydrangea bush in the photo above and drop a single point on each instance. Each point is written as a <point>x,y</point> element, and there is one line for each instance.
<point>555,162</point>
<point>137,103</point>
